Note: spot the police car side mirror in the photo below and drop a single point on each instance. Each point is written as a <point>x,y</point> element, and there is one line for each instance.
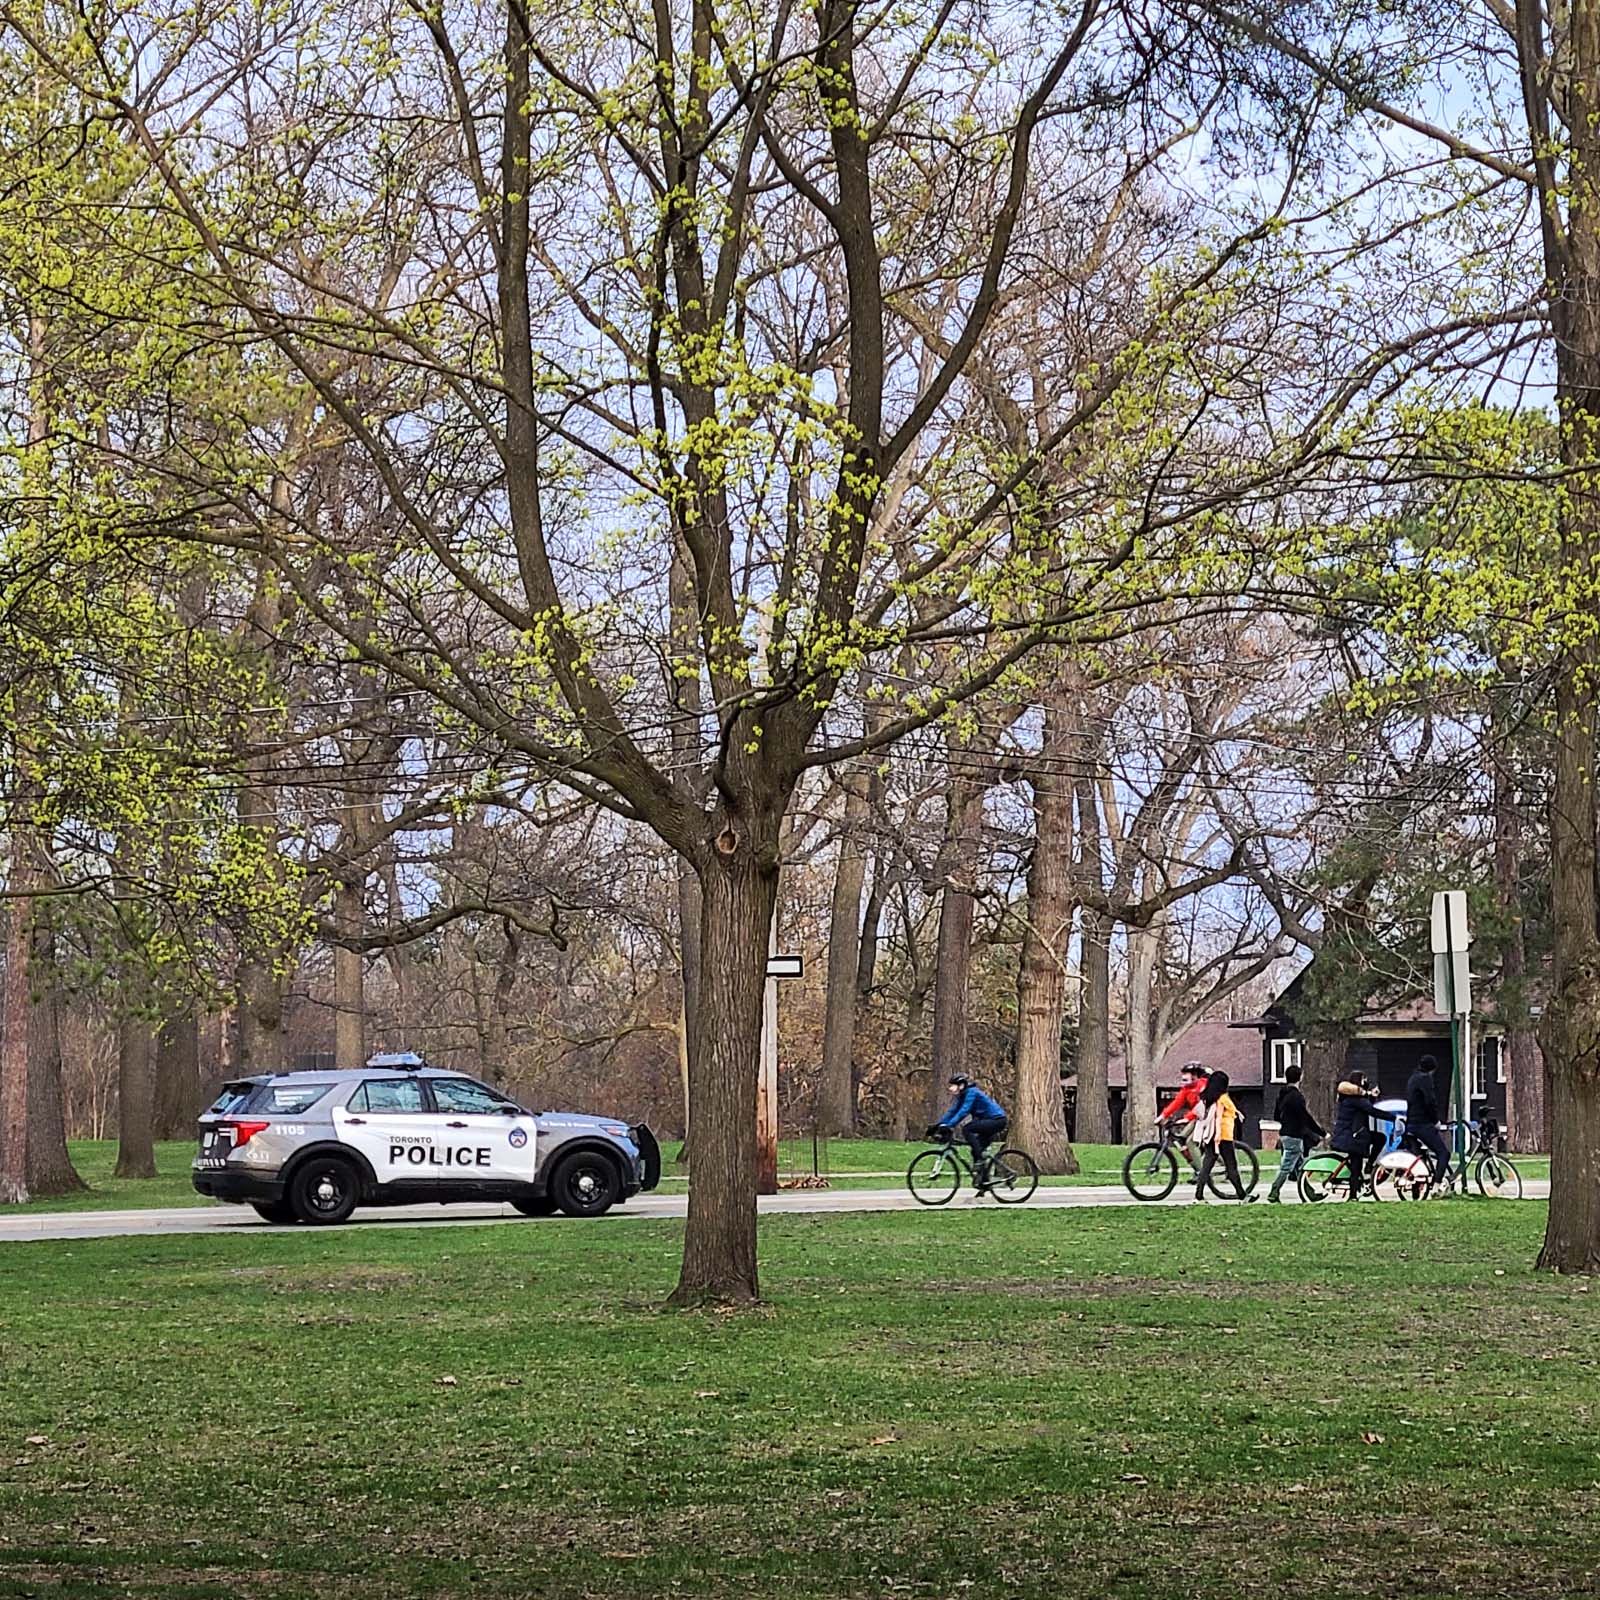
<point>512,1111</point>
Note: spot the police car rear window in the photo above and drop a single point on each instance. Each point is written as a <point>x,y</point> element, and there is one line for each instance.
<point>231,1098</point>
<point>289,1099</point>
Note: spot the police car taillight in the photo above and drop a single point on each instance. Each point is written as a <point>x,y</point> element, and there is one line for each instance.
<point>244,1132</point>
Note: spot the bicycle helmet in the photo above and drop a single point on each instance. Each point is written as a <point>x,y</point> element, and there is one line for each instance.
<point>959,1080</point>
<point>1198,1068</point>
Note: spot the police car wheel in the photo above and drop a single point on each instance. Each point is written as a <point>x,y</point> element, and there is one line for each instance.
<point>586,1185</point>
<point>543,1206</point>
<point>279,1211</point>
<point>325,1190</point>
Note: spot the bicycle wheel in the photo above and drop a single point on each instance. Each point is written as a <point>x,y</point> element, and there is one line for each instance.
<point>933,1177</point>
<point>1496,1178</point>
<point>1325,1177</point>
<point>1013,1176</point>
<point>1221,1185</point>
<point>1403,1183</point>
<point>1150,1172</point>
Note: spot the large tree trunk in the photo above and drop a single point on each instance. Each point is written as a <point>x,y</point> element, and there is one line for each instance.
<point>1094,1032</point>
<point>263,1043</point>
<point>691,909</point>
<point>1039,1116</point>
<point>953,958</point>
<point>1527,1108</point>
<point>349,980</point>
<point>1144,951</point>
<point>496,1034</point>
<point>836,1100</point>
<point>178,1096</point>
<point>719,1246</point>
<point>683,684</point>
<point>15,1050</point>
<point>50,1169</point>
<point>1571,1033</point>
<point>1094,984</point>
<point>136,1153</point>
<point>912,1065</point>
<point>1322,1059</point>
<point>871,926</point>
<point>27,851</point>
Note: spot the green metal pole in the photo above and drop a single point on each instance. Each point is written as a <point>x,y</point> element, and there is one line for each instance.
<point>1455,1036</point>
<point>1462,1111</point>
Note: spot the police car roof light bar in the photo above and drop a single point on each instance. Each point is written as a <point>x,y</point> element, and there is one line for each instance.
<point>397,1060</point>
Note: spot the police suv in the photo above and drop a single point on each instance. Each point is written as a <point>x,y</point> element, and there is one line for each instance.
<point>311,1146</point>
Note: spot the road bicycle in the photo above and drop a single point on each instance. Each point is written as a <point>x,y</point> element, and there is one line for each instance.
<point>1492,1173</point>
<point>1150,1170</point>
<point>1010,1175</point>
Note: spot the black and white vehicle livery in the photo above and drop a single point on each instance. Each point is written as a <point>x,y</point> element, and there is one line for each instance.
<point>312,1146</point>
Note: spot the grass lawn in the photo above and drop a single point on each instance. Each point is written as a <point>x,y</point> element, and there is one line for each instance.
<point>1212,1402</point>
<point>849,1162</point>
<point>95,1159</point>
<point>881,1163</point>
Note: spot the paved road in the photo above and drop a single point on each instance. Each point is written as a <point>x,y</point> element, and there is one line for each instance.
<point>240,1219</point>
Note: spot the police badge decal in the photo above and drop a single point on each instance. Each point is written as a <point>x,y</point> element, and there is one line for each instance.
<point>518,1137</point>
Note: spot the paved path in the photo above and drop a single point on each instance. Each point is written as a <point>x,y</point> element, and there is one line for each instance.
<point>240,1219</point>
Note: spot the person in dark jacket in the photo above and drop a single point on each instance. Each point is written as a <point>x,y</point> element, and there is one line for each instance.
<point>1298,1132</point>
<point>1353,1134</point>
<point>1422,1115</point>
<point>985,1119</point>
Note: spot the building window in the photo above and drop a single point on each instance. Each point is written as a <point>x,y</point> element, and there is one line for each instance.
<point>1285,1054</point>
<point>1491,1063</point>
<point>1477,1086</point>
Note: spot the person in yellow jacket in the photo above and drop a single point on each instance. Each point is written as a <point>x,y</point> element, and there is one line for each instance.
<point>1219,1117</point>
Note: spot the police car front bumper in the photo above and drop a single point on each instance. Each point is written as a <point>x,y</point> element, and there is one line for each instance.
<point>228,1183</point>
<point>648,1166</point>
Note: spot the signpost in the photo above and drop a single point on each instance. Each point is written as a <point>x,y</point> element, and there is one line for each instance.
<point>779,967</point>
<point>1452,990</point>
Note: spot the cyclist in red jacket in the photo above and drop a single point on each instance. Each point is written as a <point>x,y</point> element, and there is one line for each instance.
<point>1181,1112</point>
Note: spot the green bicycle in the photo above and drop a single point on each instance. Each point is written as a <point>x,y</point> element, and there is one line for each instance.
<point>933,1177</point>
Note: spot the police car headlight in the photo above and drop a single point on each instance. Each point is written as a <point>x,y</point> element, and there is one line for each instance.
<point>615,1129</point>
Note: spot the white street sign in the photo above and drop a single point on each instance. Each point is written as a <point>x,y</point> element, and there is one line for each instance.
<point>1450,921</point>
<point>1441,984</point>
<point>781,966</point>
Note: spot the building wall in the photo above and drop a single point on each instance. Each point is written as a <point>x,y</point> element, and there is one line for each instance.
<point>1389,1062</point>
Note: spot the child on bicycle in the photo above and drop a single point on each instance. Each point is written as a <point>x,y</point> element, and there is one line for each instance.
<point>1217,1124</point>
<point>985,1119</point>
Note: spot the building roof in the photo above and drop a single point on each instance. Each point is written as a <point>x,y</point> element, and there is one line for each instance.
<point>1414,1010</point>
<point>1215,1042</point>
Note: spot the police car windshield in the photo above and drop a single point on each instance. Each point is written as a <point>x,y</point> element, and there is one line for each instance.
<point>289,1099</point>
<point>468,1095</point>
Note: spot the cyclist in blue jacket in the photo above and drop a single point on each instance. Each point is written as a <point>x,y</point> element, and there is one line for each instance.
<point>985,1117</point>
